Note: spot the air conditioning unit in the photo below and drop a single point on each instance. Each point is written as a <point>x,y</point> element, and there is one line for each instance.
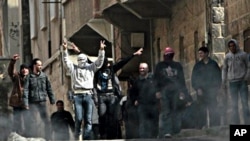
<point>137,40</point>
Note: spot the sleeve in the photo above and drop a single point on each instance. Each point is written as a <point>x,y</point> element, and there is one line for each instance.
<point>69,64</point>
<point>157,76</point>
<point>246,64</point>
<point>121,63</point>
<point>224,71</point>
<point>26,92</point>
<point>183,84</point>
<point>99,61</point>
<point>71,122</point>
<point>217,74</point>
<point>50,92</point>
<point>194,77</point>
<point>11,69</point>
<point>134,92</point>
<point>53,122</point>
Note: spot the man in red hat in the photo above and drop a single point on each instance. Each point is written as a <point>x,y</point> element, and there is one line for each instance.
<point>172,92</point>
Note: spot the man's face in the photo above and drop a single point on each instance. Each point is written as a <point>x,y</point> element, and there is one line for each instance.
<point>232,47</point>
<point>25,71</point>
<point>59,106</point>
<point>38,66</point>
<point>143,69</point>
<point>202,55</point>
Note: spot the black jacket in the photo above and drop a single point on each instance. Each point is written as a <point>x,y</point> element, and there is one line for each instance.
<point>169,75</point>
<point>61,121</point>
<point>144,91</point>
<point>206,75</point>
<point>37,88</point>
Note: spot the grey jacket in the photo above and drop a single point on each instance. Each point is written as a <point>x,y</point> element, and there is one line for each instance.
<point>37,88</point>
<point>235,65</point>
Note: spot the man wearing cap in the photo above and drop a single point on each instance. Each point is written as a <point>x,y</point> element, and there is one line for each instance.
<point>15,100</point>
<point>82,77</point>
<point>172,92</point>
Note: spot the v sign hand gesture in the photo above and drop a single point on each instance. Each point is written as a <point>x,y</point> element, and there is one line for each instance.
<point>102,44</point>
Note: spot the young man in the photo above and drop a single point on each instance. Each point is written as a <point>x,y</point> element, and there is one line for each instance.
<point>147,103</point>
<point>15,101</point>
<point>235,72</point>
<point>172,92</point>
<point>108,97</point>
<point>207,86</point>
<point>82,77</point>
<point>61,121</point>
<point>36,90</point>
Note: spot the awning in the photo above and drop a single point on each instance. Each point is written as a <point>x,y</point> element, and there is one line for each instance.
<point>102,27</point>
<point>88,37</point>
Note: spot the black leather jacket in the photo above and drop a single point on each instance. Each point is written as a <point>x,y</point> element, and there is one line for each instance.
<point>36,89</point>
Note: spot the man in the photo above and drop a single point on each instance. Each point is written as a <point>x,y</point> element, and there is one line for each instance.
<point>108,90</point>
<point>235,72</point>
<point>207,86</point>
<point>61,121</point>
<point>173,94</point>
<point>15,100</point>
<point>145,99</point>
<point>36,89</point>
<point>82,76</point>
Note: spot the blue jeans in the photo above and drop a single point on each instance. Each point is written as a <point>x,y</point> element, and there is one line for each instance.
<point>83,111</point>
<point>170,115</point>
<point>239,88</point>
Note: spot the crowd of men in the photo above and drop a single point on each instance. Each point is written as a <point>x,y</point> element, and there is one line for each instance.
<point>157,103</point>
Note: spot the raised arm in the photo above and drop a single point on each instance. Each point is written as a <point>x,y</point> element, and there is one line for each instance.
<point>11,67</point>
<point>98,63</point>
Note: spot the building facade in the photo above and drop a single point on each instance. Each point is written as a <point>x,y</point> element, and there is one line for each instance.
<point>126,25</point>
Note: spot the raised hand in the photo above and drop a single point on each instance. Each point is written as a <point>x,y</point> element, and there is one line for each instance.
<point>138,52</point>
<point>102,44</point>
<point>15,57</point>
<point>75,48</point>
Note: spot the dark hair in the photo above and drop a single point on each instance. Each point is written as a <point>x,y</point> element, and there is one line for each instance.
<point>204,49</point>
<point>24,66</point>
<point>34,62</point>
<point>59,101</point>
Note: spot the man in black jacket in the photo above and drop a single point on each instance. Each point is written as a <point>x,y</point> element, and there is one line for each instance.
<point>61,120</point>
<point>145,98</point>
<point>36,89</point>
<point>106,84</point>
<point>206,80</point>
<point>172,92</point>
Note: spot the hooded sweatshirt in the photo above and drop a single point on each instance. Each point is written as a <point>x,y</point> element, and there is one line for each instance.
<point>235,65</point>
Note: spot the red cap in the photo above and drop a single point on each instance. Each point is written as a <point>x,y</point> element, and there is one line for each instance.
<point>168,50</point>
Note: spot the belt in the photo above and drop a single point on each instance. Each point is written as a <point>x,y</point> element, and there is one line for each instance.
<point>80,91</point>
<point>105,94</point>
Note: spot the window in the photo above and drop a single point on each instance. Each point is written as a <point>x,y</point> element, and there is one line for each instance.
<point>32,8</point>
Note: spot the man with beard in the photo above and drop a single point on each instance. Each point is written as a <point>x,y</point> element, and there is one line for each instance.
<point>36,89</point>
